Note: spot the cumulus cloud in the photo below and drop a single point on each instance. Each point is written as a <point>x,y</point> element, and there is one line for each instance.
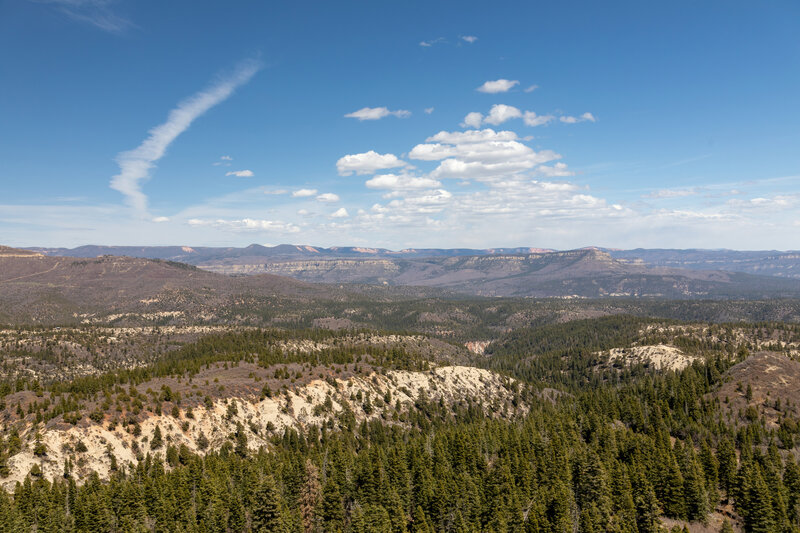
<point>377,113</point>
<point>367,163</point>
<point>497,86</point>
<point>500,113</point>
<point>401,182</point>
<point>161,219</point>
<point>586,117</point>
<point>241,173</point>
<point>472,136</point>
<point>479,154</point>
<point>340,213</point>
<point>303,193</point>
<point>472,120</point>
<point>469,38</point>
<point>532,119</point>
<point>135,165</point>
<point>328,197</point>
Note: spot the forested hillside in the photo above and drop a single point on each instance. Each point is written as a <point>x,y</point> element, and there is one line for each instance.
<point>571,440</point>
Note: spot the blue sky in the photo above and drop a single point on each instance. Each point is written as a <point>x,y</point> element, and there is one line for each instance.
<point>402,124</point>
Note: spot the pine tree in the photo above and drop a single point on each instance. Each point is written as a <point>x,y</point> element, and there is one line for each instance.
<point>759,513</point>
<point>695,494</point>
<point>673,499</point>
<point>157,441</point>
<point>726,458</point>
<point>419,523</point>
<point>332,507</point>
<point>268,515</point>
<point>310,494</point>
<point>377,520</point>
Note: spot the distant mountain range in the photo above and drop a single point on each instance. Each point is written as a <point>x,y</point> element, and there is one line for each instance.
<point>200,255</point>
<point>254,258</point>
<point>765,262</point>
<point>515,272</point>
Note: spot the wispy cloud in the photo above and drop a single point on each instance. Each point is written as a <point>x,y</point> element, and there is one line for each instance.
<point>574,120</point>
<point>303,193</point>
<point>531,88</point>
<point>377,113</point>
<point>225,160</point>
<point>664,194</point>
<point>469,38</point>
<point>241,173</point>
<point>428,44</point>
<point>135,165</point>
<point>98,13</point>
<point>247,224</point>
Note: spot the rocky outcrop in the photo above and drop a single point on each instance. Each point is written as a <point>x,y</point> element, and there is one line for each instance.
<point>94,446</point>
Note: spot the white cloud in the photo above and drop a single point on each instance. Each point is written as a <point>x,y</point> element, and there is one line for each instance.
<point>574,120</point>
<point>773,203</point>
<point>532,119</point>
<point>663,194</point>
<point>428,110</point>
<point>559,170</point>
<point>427,44</point>
<point>531,88</point>
<point>340,213</point>
<point>401,182</point>
<point>367,163</point>
<point>98,13</point>
<point>497,86</point>
<point>328,197</point>
<point>484,155</point>
<point>472,120</point>
<point>275,191</point>
<point>246,224</point>
<point>241,173</point>
<point>303,193</point>
<point>135,165</point>
<point>469,38</point>
<point>377,113</point>
<point>472,136</point>
<point>501,113</point>
<point>161,219</point>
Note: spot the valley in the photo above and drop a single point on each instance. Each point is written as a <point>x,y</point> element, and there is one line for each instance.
<point>350,405</point>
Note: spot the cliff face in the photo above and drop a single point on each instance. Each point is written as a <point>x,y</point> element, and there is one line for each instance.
<point>327,271</point>
<point>6,251</point>
<point>585,273</point>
